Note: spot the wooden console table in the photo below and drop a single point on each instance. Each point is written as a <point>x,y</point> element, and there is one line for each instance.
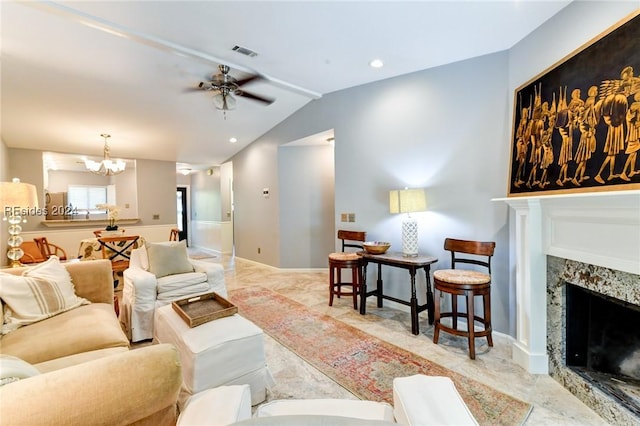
<point>412,264</point>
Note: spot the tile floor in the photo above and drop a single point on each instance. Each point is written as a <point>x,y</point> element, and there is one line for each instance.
<point>553,405</point>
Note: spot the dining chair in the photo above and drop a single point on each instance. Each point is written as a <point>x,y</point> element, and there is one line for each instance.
<point>32,253</point>
<point>468,283</point>
<point>346,260</point>
<point>118,250</point>
<point>48,249</point>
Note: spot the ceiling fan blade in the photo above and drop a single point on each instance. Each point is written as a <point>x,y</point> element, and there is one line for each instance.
<point>192,89</point>
<point>248,95</point>
<point>247,80</point>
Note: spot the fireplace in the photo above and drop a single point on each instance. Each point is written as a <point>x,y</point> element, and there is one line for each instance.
<point>589,240</point>
<point>593,315</point>
<point>603,344</point>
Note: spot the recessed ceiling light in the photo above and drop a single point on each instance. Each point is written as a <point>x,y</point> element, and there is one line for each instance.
<point>233,140</point>
<point>376,63</point>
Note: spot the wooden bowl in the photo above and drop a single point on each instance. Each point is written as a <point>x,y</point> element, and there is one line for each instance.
<point>376,247</point>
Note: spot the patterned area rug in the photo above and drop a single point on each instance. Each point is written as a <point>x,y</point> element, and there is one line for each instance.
<point>359,362</point>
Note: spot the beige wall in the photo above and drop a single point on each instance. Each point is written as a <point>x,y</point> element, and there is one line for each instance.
<point>156,181</point>
<point>153,183</point>
<point>26,164</point>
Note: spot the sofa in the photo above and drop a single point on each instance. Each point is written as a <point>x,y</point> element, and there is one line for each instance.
<point>417,400</point>
<point>75,366</point>
<point>158,274</point>
<point>86,332</point>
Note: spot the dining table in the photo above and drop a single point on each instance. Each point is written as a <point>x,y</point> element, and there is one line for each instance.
<point>91,249</point>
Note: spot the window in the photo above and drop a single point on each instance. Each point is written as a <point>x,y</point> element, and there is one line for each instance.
<point>86,197</point>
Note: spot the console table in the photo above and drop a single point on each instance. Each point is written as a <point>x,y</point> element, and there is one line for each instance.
<point>397,260</point>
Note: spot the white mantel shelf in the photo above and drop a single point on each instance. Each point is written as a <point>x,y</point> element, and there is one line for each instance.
<point>599,228</point>
<point>67,223</point>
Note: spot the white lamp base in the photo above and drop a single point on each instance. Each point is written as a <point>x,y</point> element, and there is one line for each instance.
<point>409,237</point>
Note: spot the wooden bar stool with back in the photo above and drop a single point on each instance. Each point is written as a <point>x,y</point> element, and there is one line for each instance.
<point>346,260</point>
<point>467,283</point>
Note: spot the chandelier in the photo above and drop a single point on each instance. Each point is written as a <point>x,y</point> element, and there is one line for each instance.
<point>106,167</point>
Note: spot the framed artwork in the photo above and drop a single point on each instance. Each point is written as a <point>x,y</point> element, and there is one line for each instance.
<point>576,126</point>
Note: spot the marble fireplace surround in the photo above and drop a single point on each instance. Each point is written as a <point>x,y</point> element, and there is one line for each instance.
<point>608,282</point>
<point>574,232</point>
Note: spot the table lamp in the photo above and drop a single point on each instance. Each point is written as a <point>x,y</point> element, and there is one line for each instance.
<point>16,200</point>
<point>408,201</point>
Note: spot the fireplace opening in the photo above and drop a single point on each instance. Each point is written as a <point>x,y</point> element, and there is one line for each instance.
<point>603,343</point>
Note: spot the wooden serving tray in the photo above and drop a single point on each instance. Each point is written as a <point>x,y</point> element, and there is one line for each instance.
<point>204,308</point>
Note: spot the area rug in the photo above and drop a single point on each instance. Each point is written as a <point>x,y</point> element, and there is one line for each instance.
<point>359,362</point>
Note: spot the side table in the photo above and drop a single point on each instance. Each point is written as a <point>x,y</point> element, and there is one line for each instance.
<point>397,260</point>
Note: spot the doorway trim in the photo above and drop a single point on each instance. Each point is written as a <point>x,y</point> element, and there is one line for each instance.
<point>187,212</point>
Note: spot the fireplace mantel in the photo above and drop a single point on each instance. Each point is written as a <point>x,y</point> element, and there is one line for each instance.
<point>599,228</point>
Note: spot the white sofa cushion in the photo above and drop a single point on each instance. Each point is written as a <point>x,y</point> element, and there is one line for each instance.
<point>173,282</point>
<point>429,400</point>
<point>13,369</point>
<point>223,405</point>
<point>352,408</point>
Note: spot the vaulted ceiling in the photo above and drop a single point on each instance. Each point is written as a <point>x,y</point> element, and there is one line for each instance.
<point>73,70</point>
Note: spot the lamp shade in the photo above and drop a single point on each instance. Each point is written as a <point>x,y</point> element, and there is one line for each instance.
<point>407,201</point>
<point>18,194</point>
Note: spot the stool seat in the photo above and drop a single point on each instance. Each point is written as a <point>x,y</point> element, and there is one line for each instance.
<point>461,276</point>
<point>344,257</point>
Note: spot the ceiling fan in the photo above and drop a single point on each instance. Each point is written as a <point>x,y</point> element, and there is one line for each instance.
<point>226,86</point>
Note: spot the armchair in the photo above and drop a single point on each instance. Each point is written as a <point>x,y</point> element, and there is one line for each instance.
<point>158,274</point>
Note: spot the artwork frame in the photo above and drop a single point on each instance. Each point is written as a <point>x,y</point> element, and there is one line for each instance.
<point>590,141</point>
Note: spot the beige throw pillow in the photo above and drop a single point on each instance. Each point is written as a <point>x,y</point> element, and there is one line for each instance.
<point>41,292</point>
<point>168,259</point>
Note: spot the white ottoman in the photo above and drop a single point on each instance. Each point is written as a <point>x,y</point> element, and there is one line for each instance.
<point>429,400</point>
<point>225,351</point>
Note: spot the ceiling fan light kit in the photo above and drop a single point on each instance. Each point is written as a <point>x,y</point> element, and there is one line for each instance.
<point>227,86</point>
<point>106,167</point>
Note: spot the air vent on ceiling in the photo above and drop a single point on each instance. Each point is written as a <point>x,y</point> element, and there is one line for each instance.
<point>244,51</point>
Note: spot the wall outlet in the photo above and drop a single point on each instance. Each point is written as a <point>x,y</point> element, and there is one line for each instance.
<point>352,217</point>
<point>156,217</point>
<point>344,217</point>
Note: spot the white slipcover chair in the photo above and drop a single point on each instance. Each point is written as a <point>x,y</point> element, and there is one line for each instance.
<point>143,292</point>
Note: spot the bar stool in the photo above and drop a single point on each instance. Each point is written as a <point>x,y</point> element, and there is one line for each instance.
<point>467,283</point>
<point>346,260</point>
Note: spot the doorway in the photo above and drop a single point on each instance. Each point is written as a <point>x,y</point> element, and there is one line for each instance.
<point>182,213</point>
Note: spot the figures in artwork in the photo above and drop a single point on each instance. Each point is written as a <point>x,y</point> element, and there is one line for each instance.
<point>606,126</point>
<point>587,119</point>
<point>633,137</point>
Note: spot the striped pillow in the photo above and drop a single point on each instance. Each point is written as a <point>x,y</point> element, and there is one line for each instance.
<point>41,292</point>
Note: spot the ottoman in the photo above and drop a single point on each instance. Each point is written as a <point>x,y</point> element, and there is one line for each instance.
<point>225,351</point>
